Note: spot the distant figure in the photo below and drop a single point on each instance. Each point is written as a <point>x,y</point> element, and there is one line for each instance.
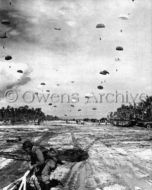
<point>43,162</point>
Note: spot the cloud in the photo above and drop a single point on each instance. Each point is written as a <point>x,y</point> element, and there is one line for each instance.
<point>20,82</point>
<point>34,22</point>
<point>11,79</point>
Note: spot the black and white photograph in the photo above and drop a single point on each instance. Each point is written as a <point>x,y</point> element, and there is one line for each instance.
<point>75,94</point>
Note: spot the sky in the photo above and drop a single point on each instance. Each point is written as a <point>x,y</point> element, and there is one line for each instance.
<point>59,49</point>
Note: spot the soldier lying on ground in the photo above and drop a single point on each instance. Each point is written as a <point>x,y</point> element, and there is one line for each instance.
<point>43,162</point>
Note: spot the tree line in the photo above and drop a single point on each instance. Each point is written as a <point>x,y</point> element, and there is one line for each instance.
<point>141,111</point>
<point>22,114</point>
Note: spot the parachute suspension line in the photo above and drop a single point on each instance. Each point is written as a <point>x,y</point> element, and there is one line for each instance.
<point>22,185</point>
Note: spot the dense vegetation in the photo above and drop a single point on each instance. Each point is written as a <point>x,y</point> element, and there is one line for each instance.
<point>140,111</point>
<point>22,114</point>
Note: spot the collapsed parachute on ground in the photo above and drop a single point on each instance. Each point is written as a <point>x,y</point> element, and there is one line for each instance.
<point>19,71</point>
<point>42,83</point>
<point>104,72</point>
<point>5,22</point>
<point>119,48</point>
<point>100,87</point>
<point>8,57</point>
<point>100,26</point>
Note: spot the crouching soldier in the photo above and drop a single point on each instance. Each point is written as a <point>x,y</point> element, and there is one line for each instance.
<point>43,162</point>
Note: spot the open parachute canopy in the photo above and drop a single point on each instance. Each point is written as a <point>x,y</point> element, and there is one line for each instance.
<point>104,72</point>
<point>119,48</point>
<point>100,26</point>
<point>123,17</point>
<point>94,108</point>
<point>43,83</point>
<point>100,87</point>
<point>57,28</point>
<point>89,95</point>
<point>8,57</point>
<point>19,71</point>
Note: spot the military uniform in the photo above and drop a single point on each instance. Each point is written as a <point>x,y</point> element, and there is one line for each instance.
<point>43,164</point>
